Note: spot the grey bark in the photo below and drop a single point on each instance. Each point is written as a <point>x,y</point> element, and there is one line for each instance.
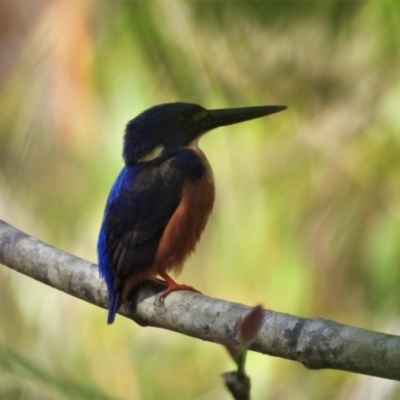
<point>316,343</point>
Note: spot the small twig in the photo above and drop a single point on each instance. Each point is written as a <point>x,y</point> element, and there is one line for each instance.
<point>237,382</point>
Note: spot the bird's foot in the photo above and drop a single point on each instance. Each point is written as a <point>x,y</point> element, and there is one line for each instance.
<point>173,287</point>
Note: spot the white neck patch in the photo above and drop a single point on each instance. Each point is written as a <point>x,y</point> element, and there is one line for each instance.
<point>152,154</point>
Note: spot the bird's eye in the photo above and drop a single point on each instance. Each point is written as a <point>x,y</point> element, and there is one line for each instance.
<point>199,115</point>
<point>190,121</point>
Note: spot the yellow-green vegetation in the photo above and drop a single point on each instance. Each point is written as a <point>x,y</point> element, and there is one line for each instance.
<point>307,217</point>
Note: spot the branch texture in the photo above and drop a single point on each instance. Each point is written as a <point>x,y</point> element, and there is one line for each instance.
<point>316,343</point>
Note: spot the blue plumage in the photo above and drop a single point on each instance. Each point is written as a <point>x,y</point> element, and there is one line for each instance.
<point>125,178</point>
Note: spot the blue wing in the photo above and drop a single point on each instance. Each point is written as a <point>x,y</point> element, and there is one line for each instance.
<point>138,209</point>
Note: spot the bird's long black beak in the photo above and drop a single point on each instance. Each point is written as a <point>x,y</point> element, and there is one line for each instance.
<point>229,116</point>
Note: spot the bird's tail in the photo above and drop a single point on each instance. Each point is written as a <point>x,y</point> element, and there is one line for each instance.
<point>114,298</point>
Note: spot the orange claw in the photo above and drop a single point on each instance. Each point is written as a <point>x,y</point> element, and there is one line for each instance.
<point>174,286</point>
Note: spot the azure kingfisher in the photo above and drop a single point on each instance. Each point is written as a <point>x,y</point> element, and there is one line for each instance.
<point>160,202</point>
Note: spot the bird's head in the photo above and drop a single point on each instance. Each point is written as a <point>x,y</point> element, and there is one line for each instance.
<point>174,125</point>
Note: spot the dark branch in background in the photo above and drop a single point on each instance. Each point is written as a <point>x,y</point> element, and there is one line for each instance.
<point>316,343</point>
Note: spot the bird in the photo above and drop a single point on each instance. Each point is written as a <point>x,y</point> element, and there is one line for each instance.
<point>161,200</point>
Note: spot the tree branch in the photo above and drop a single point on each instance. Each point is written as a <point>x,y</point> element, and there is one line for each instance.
<point>316,343</point>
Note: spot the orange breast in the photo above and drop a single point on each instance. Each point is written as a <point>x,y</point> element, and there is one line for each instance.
<point>186,225</point>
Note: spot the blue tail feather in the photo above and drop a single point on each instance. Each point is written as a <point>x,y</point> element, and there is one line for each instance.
<point>114,298</point>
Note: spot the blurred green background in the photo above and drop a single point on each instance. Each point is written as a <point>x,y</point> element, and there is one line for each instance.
<point>307,216</point>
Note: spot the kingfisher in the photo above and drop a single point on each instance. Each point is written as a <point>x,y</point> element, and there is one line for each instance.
<point>160,202</point>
